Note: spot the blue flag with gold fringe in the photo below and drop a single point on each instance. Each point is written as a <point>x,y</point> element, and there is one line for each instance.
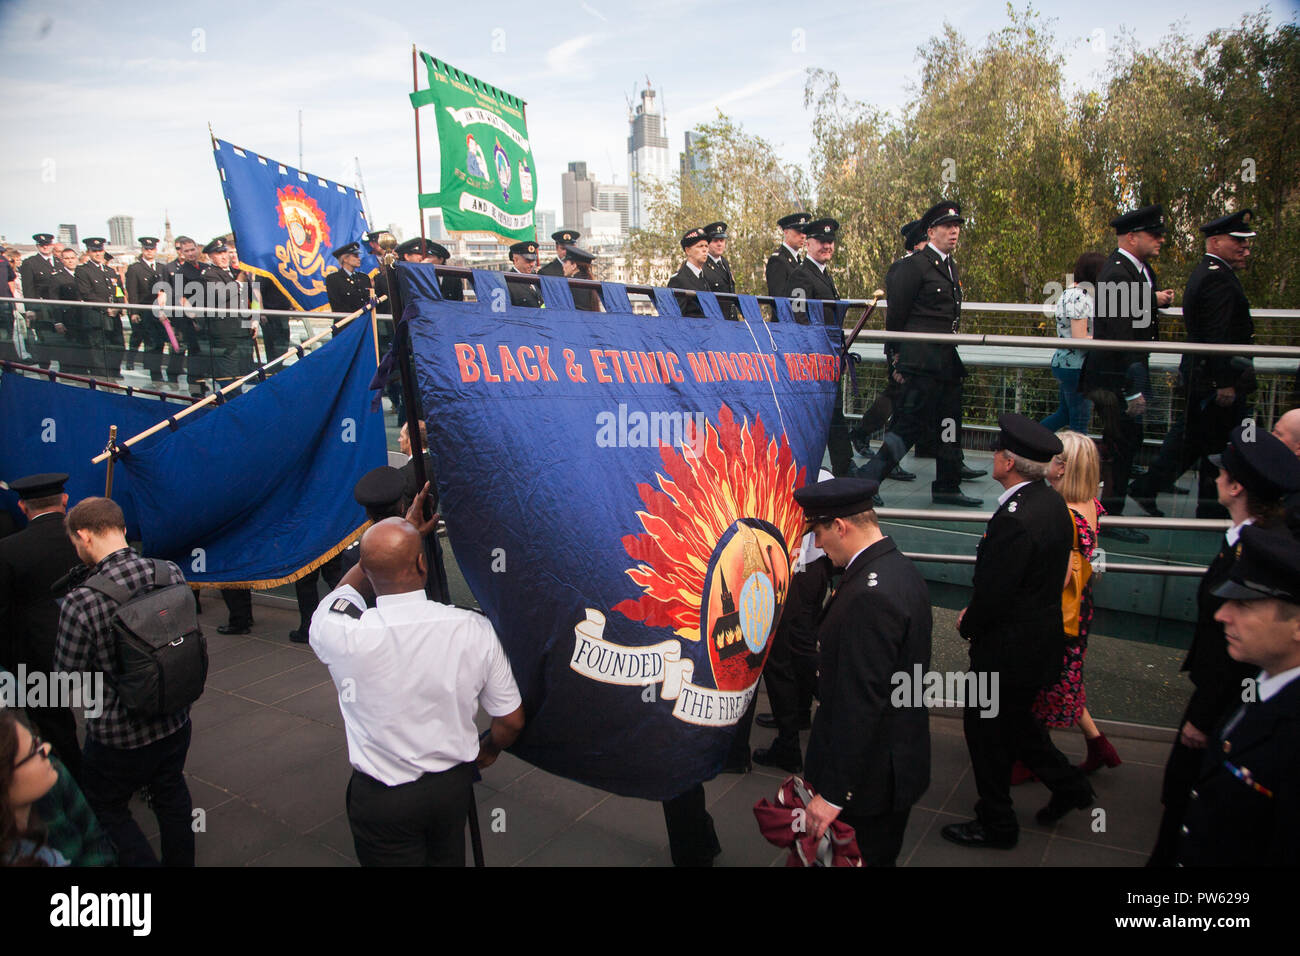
<point>287,221</point>
<point>618,489</point>
<point>260,489</point>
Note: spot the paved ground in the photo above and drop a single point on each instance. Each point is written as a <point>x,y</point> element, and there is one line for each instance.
<point>268,766</point>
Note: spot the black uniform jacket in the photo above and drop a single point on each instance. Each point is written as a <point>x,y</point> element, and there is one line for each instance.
<point>1218,678</point>
<point>780,265</point>
<point>524,294</point>
<point>1125,311</point>
<point>1013,621</point>
<point>347,291</point>
<point>864,753</point>
<point>141,278</point>
<point>1245,806</point>
<point>812,281</point>
<point>36,273</point>
<point>553,268</point>
<point>30,561</point>
<point>923,297</point>
<point>1215,309</point>
<point>94,284</point>
<point>685,278</point>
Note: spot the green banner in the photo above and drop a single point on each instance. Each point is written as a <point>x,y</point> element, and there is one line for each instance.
<point>488,177</point>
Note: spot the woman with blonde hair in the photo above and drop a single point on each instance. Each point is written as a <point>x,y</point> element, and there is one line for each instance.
<point>1076,475</point>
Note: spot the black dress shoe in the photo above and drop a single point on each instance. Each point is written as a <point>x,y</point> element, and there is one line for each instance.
<point>745,767</point>
<point>1127,535</point>
<point>955,498</point>
<point>972,833</point>
<point>298,637</point>
<point>234,628</point>
<point>788,760</point>
<point>898,474</point>
<point>861,445</point>
<point>1061,804</point>
<point>969,473</point>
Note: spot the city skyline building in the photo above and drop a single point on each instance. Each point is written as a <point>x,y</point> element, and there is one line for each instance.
<point>692,163</point>
<point>68,234</point>
<point>121,230</point>
<point>578,192</point>
<point>545,224</point>
<point>614,198</point>
<point>648,157</point>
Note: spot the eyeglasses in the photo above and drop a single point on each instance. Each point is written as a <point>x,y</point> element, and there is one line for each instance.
<point>37,745</point>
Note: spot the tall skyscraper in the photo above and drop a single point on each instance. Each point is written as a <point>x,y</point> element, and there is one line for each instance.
<point>648,158</point>
<point>545,224</point>
<point>579,194</point>
<point>693,163</point>
<point>614,199</point>
<point>121,231</point>
<point>68,234</point>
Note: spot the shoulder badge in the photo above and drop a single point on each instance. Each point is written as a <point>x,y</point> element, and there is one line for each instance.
<point>1013,506</point>
<point>1214,267</point>
<point>344,606</point>
<point>871,580</point>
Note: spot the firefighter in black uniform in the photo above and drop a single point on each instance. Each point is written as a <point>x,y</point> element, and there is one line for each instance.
<point>1017,639</point>
<point>63,337</point>
<point>523,259</point>
<point>785,259</point>
<point>37,272</point>
<point>691,273</point>
<point>1119,383</point>
<point>716,267</point>
<point>563,239</point>
<point>1245,810</point>
<point>926,297</point>
<point>142,290</point>
<point>868,759</point>
<point>1254,477</point>
<point>348,287</point>
<point>95,284</point>
<point>812,280</point>
<point>1215,309</point>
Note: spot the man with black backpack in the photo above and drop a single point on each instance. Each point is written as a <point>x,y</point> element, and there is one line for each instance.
<point>133,620</point>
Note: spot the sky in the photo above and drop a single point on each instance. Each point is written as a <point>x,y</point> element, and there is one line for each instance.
<point>108,104</point>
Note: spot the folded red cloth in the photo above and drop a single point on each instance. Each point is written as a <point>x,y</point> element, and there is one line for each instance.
<point>783,823</point>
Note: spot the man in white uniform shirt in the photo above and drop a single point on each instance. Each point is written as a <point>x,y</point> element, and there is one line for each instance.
<point>411,675</point>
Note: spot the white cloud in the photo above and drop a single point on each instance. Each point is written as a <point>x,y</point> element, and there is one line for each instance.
<point>563,57</point>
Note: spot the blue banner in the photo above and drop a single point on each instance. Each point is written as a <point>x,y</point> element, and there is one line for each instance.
<point>48,426</point>
<point>260,489</point>
<point>287,221</point>
<point>618,493</point>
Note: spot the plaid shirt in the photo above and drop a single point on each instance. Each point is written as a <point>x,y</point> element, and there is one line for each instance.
<point>71,827</point>
<point>86,644</point>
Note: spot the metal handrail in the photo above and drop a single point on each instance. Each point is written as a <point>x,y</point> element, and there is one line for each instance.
<point>1107,521</point>
<point>1185,571</point>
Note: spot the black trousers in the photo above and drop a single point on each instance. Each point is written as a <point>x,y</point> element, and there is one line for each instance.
<point>996,743</point>
<point>1121,437</point>
<point>239,602</point>
<point>927,407</point>
<point>111,776</point>
<point>790,676</point>
<point>308,593</point>
<point>421,823</point>
<point>837,438</point>
<point>1201,430</point>
<point>692,841</point>
<point>1181,771</point>
<point>738,755</point>
<point>880,835</point>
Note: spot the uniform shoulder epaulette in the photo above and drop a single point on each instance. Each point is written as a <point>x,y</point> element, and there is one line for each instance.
<point>344,606</point>
<point>1214,267</point>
